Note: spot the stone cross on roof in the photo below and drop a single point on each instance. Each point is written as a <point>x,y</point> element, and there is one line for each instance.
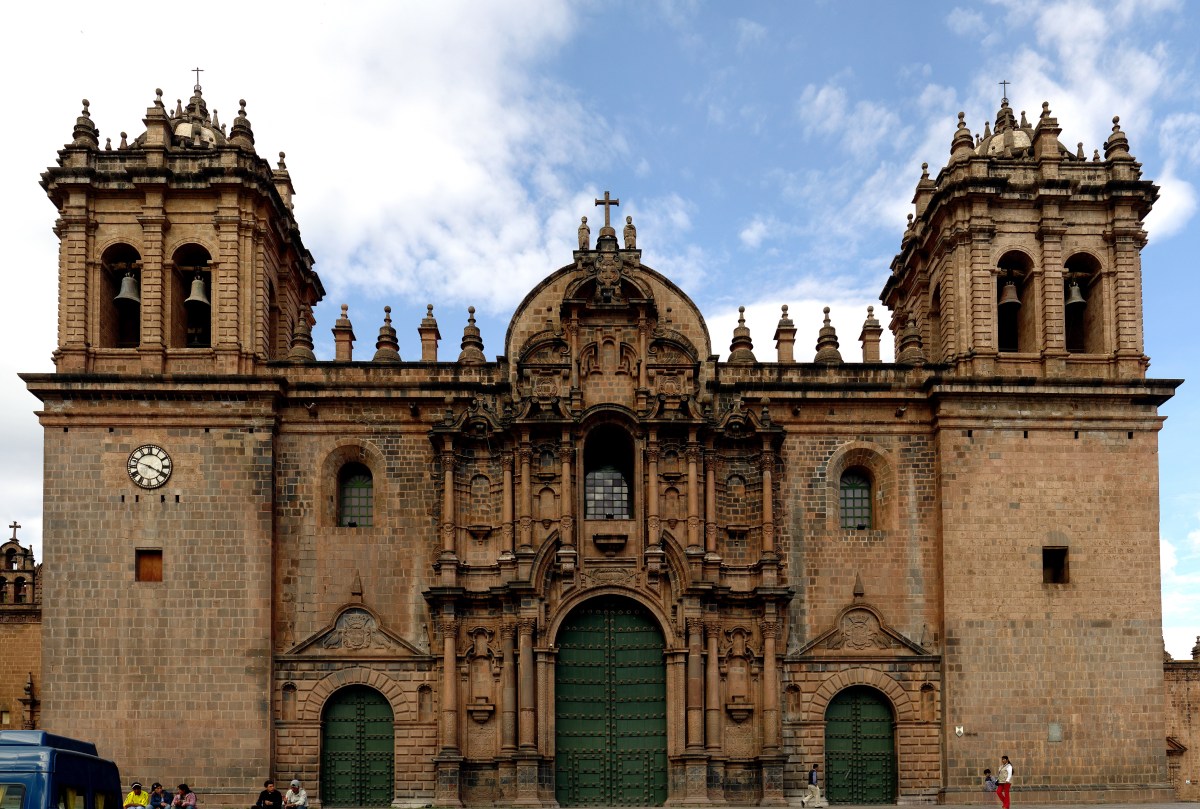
<point>197,71</point>
<point>14,526</point>
<point>607,202</point>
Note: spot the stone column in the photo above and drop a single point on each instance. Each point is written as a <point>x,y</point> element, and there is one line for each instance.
<point>712,691</point>
<point>693,492</point>
<point>506,504</point>
<point>448,516</point>
<point>449,627</point>
<point>566,452</point>
<point>772,757</point>
<point>508,690</point>
<point>695,686</point>
<point>527,670</point>
<point>768,498</point>
<point>710,502</point>
<point>525,453</point>
<point>653,521</point>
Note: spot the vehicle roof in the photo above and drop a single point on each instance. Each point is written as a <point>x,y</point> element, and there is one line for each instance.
<point>40,738</point>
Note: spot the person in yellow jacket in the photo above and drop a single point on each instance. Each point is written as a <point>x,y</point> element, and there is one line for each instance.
<point>137,797</point>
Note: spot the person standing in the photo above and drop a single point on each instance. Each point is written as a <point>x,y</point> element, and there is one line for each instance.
<point>296,797</point>
<point>1004,782</point>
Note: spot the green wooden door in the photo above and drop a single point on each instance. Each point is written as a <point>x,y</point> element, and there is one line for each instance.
<point>357,749</point>
<point>860,748</point>
<point>610,700</point>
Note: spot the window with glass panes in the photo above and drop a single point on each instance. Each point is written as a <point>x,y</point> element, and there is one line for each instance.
<point>607,494</point>
<point>855,504</point>
<point>356,497</point>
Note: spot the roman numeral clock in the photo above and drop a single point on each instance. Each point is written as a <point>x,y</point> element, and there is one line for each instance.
<point>149,466</point>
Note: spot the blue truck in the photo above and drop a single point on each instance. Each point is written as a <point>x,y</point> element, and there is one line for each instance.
<point>39,770</point>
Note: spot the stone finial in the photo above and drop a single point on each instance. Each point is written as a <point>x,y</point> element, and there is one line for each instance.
<point>630,234</point>
<point>108,144</point>
<point>962,145</point>
<point>158,102</point>
<point>1025,121</point>
<point>827,343</point>
<point>911,352</point>
<point>356,589</point>
<point>472,342</point>
<point>302,342</point>
<point>859,590</point>
<point>1095,155</point>
<point>282,165</point>
<point>124,141</point>
<point>343,337</point>
<point>158,124</point>
<point>1196,650</point>
<point>1117,145</point>
<point>429,336</point>
<point>785,338</point>
<point>1079,152</point>
<point>585,234</point>
<point>925,189</point>
<point>387,347</point>
<point>178,108</point>
<point>240,134</point>
<point>741,350</point>
<point>987,129</point>
<point>85,134</point>
<point>870,336</point>
<point>1045,137</point>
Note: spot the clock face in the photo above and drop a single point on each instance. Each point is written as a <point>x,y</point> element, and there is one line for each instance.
<point>149,466</point>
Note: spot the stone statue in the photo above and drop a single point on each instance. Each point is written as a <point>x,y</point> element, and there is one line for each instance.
<point>585,234</point>
<point>630,234</point>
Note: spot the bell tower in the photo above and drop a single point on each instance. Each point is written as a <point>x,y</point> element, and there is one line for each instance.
<point>1024,257</point>
<point>179,251</point>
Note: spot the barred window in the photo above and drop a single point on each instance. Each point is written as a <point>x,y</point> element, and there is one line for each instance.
<point>607,494</point>
<point>356,496</point>
<point>855,500</point>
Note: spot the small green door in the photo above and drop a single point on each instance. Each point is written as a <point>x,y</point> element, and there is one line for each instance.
<point>860,748</point>
<point>357,748</point>
<point>610,699</point>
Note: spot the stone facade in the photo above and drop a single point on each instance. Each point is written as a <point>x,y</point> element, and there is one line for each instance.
<point>1183,724</point>
<point>20,635</point>
<point>376,574</point>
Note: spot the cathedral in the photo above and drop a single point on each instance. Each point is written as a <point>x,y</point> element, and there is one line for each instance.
<point>605,567</point>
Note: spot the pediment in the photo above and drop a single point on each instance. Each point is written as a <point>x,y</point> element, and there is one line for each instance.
<point>355,632</point>
<point>859,630</point>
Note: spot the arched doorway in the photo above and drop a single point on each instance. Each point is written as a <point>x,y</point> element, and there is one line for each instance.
<point>357,748</point>
<point>860,747</point>
<point>610,702</point>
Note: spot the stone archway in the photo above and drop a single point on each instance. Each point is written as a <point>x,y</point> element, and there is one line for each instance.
<point>860,747</point>
<point>610,699</point>
<point>357,748</point>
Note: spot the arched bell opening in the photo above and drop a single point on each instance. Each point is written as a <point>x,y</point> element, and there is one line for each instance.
<point>191,298</point>
<point>120,305</point>
<point>1016,307</point>
<point>608,464</point>
<point>1083,305</point>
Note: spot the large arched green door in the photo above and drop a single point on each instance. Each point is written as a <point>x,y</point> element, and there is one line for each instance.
<point>610,701</point>
<point>860,748</point>
<point>357,748</point>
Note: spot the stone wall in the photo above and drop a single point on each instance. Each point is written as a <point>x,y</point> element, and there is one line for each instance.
<point>1183,727</point>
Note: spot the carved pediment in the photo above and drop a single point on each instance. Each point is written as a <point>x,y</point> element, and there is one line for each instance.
<point>859,630</point>
<point>355,632</point>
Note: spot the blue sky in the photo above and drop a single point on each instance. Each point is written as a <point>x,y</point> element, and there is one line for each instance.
<point>444,152</point>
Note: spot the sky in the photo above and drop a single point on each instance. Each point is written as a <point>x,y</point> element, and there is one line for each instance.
<point>443,153</point>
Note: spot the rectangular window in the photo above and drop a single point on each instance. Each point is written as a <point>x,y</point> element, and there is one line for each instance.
<point>1055,569</point>
<point>5,718</point>
<point>149,564</point>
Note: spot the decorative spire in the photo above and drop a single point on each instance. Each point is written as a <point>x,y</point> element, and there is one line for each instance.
<point>124,141</point>
<point>859,590</point>
<point>302,342</point>
<point>962,145</point>
<point>472,343</point>
<point>1196,650</point>
<point>785,337</point>
<point>241,134</point>
<point>1005,120</point>
<point>387,348</point>
<point>429,336</point>
<point>827,344</point>
<point>1117,145</point>
<point>869,336</point>
<point>741,350</point>
<point>911,352</point>
<point>86,135</point>
<point>343,337</point>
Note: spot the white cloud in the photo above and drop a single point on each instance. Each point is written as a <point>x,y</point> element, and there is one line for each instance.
<point>966,22</point>
<point>753,234</point>
<point>749,34</point>
<point>1175,206</point>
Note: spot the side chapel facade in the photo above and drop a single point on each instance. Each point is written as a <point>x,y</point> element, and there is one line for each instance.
<point>605,567</point>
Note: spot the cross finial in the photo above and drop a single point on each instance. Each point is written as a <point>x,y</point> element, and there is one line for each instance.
<point>1004,86</point>
<point>14,526</point>
<point>607,202</point>
<point>197,71</point>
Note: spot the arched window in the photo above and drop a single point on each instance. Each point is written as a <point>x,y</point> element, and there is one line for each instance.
<point>1082,307</point>
<point>356,496</point>
<point>3,591</point>
<point>10,559</point>
<point>191,312</point>
<point>608,465</point>
<point>855,500</point>
<point>121,307</point>
<point>19,594</point>
<point>1016,309</point>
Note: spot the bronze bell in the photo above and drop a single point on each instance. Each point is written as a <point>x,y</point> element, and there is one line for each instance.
<point>198,296</point>
<point>1075,295</point>
<point>1009,296</point>
<point>129,290</point>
